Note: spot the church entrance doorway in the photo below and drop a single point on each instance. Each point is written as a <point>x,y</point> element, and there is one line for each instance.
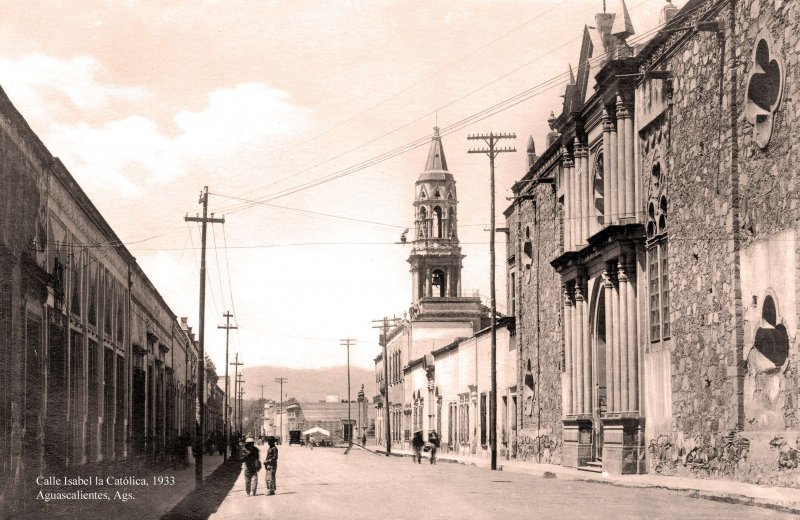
<point>598,342</point>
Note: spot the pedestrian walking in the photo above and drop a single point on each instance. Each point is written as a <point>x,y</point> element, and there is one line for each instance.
<point>271,463</point>
<point>311,442</point>
<point>433,440</point>
<point>417,443</point>
<point>252,463</point>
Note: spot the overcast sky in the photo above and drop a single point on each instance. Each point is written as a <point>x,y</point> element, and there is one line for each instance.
<point>147,102</point>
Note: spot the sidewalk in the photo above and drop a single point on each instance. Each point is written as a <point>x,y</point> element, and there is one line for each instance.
<point>782,499</point>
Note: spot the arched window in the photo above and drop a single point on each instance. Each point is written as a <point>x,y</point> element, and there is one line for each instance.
<point>657,258</point>
<point>438,282</point>
<point>437,222</point>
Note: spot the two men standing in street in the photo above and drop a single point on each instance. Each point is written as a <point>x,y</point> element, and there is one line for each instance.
<point>252,465</point>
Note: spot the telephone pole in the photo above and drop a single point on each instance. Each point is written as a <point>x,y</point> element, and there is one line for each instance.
<point>384,325</point>
<point>201,362</point>
<point>228,327</point>
<point>241,404</point>
<point>492,151</point>
<point>236,386</point>
<point>281,380</point>
<point>261,410</point>
<point>348,342</point>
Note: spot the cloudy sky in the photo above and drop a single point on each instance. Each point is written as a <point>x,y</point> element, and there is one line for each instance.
<point>146,102</point>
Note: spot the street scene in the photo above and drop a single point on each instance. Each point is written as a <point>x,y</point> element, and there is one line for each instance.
<point>484,259</point>
<point>364,485</point>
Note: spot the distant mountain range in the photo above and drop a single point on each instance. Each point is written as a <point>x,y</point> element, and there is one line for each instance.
<point>307,385</point>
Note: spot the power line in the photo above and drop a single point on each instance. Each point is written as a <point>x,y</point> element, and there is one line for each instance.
<point>463,123</point>
<point>420,82</point>
<point>219,271</point>
<point>309,212</point>
<point>477,117</point>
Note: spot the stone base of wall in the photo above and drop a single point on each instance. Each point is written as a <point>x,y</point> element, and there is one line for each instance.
<point>765,458</point>
<point>539,446</point>
<point>577,442</point>
<point>623,445</point>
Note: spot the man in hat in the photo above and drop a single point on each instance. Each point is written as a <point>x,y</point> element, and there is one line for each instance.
<point>417,443</point>
<point>252,464</point>
<point>271,463</point>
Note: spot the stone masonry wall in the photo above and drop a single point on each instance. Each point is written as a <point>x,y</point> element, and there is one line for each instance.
<point>538,325</point>
<point>701,267</point>
<point>725,193</point>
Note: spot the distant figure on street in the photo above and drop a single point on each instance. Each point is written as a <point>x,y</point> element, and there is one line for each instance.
<point>433,440</point>
<point>417,443</point>
<point>363,439</point>
<point>252,464</point>
<point>311,442</point>
<point>271,463</point>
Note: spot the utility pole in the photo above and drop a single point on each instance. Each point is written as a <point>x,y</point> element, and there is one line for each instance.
<point>281,380</point>
<point>384,325</point>
<point>201,361</point>
<point>227,328</point>
<point>236,386</point>
<point>241,404</point>
<point>261,411</point>
<point>492,151</point>
<point>348,342</point>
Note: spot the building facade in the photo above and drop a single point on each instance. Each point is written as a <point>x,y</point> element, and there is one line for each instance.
<point>94,366</point>
<point>664,214</point>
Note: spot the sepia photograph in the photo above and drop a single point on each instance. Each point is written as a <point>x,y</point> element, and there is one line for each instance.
<point>399,259</point>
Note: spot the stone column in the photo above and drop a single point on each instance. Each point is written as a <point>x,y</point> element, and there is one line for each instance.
<point>568,310</point>
<point>615,325</point>
<point>633,343</point>
<point>580,175</point>
<point>428,286</point>
<point>608,289</point>
<point>574,202</point>
<point>609,184</point>
<point>568,202</point>
<point>588,200</point>
<point>580,315</point>
<point>575,350</point>
<point>587,352</point>
<point>621,175</point>
<point>624,114</point>
<point>623,336</point>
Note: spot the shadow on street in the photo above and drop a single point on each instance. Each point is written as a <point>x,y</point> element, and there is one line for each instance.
<point>202,503</point>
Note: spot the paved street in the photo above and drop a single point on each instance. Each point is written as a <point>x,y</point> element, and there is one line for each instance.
<point>324,483</point>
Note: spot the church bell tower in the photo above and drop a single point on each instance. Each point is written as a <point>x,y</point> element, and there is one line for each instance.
<point>435,257</point>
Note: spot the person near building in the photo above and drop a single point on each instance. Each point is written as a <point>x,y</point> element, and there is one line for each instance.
<point>417,443</point>
<point>271,463</point>
<point>252,463</point>
<point>433,440</point>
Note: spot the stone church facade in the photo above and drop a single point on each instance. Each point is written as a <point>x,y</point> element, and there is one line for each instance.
<point>653,256</point>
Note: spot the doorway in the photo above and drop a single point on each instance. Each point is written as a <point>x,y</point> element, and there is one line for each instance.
<point>599,403</point>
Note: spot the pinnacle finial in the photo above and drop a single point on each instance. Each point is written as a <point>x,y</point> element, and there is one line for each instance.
<point>623,27</point>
